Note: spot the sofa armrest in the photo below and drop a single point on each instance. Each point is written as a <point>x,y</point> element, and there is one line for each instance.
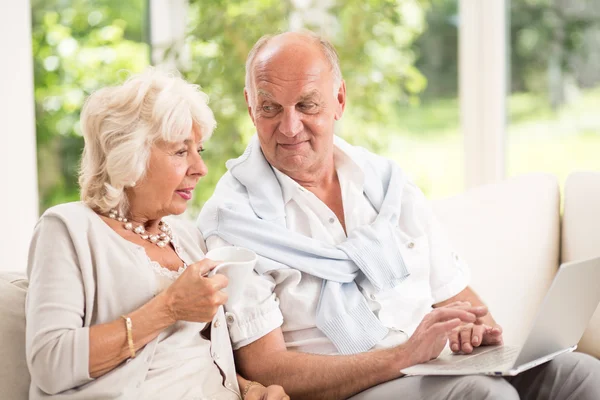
<point>14,374</point>
<point>581,237</point>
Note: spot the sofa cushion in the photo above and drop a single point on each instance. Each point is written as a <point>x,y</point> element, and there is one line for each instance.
<point>581,237</point>
<point>508,233</point>
<point>14,375</point>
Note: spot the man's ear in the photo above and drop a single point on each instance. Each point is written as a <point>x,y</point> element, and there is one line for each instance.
<point>250,113</point>
<point>341,101</point>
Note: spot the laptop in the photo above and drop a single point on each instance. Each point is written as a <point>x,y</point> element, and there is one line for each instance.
<point>560,322</point>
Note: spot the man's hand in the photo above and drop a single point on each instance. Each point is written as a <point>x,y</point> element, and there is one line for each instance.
<point>468,336</point>
<point>433,332</point>
<point>259,392</point>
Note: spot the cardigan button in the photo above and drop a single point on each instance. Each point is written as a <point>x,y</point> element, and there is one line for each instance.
<point>410,245</point>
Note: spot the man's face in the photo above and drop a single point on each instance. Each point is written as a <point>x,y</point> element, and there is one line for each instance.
<point>294,108</point>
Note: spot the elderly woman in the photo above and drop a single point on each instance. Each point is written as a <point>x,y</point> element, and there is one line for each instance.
<point>120,305</point>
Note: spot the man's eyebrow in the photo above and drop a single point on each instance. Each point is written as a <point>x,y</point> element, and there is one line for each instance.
<point>264,93</point>
<point>309,95</point>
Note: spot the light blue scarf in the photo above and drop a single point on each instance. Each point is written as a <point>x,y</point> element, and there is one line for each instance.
<point>250,213</point>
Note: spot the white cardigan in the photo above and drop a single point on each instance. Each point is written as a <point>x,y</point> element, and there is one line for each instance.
<point>82,273</point>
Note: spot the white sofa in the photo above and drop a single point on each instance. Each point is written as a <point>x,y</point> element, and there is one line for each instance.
<point>510,234</point>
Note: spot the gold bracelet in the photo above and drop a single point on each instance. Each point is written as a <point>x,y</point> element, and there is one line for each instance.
<point>248,386</point>
<point>129,327</point>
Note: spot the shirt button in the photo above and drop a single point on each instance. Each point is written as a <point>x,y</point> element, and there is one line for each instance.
<point>139,384</point>
<point>373,297</point>
<point>410,245</point>
<point>230,319</point>
<point>217,324</point>
<point>331,220</point>
<point>229,385</point>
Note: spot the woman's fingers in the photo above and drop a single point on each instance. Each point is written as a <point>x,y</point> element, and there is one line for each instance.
<point>218,281</point>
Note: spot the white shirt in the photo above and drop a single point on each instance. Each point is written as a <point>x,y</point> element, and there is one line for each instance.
<point>289,298</point>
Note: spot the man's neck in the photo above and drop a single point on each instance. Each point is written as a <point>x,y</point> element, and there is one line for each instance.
<point>325,184</point>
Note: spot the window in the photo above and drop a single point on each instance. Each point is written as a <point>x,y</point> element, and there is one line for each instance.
<point>555,87</point>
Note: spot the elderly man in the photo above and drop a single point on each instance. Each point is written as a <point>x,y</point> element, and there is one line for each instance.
<point>355,279</point>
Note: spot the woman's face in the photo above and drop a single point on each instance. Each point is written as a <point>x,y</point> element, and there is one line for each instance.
<point>173,171</point>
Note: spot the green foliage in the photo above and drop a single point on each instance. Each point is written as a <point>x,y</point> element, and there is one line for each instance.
<point>78,47</point>
<point>398,57</point>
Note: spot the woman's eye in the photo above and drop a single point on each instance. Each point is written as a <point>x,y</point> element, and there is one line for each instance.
<point>200,151</point>
<point>181,152</point>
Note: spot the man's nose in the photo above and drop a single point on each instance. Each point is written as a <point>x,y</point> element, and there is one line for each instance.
<point>291,123</point>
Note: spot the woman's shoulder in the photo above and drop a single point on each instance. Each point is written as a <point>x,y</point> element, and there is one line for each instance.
<point>72,214</point>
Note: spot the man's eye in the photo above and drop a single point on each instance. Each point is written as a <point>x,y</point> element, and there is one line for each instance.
<point>269,108</point>
<point>200,151</point>
<point>307,106</point>
<point>181,152</point>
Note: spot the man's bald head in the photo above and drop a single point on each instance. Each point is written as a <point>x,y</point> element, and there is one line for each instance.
<point>272,45</point>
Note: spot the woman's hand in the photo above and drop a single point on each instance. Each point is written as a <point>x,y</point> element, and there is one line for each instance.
<point>259,392</point>
<point>193,296</point>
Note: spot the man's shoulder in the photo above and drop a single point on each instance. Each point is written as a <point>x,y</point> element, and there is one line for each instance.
<point>229,192</point>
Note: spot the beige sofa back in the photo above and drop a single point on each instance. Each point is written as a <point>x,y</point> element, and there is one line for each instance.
<point>14,375</point>
<point>581,236</point>
<point>508,233</point>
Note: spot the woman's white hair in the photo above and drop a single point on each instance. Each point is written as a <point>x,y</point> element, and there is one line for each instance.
<point>120,124</point>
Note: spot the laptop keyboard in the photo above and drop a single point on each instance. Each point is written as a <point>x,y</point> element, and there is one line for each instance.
<point>494,359</point>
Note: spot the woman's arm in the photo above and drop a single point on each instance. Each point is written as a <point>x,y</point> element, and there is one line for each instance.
<point>61,352</point>
<point>192,297</point>
<point>108,342</point>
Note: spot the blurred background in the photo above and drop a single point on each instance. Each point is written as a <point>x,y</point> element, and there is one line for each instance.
<point>426,79</point>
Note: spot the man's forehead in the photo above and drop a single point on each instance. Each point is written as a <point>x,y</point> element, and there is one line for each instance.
<point>307,93</point>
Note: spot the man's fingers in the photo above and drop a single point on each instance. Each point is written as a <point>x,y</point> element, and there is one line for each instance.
<point>459,304</point>
<point>477,335</point>
<point>493,336</point>
<point>445,327</point>
<point>454,341</point>
<point>465,338</point>
<point>447,314</point>
<point>479,311</point>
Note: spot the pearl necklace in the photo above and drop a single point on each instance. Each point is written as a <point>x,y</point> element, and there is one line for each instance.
<point>161,240</point>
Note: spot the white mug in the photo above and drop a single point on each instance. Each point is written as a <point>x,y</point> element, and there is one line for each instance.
<point>237,263</point>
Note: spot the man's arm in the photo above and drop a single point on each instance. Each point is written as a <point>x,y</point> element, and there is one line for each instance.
<point>485,331</point>
<point>311,376</point>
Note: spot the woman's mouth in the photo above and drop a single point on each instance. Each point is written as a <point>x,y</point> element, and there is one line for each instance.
<point>186,194</point>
